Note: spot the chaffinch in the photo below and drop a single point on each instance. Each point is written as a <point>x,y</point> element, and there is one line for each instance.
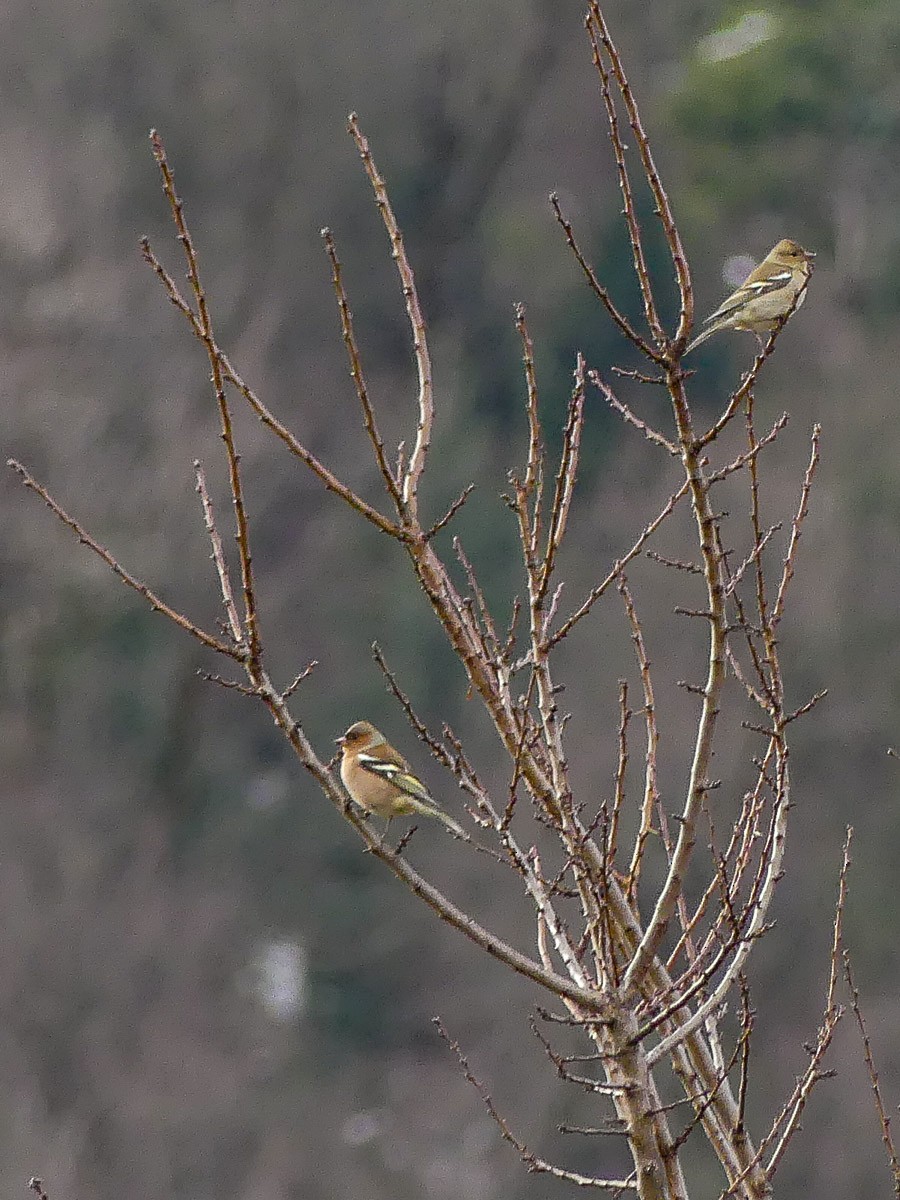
<point>770,292</point>
<point>380,779</point>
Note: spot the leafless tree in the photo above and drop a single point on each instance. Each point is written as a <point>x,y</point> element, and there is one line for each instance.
<point>644,923</point>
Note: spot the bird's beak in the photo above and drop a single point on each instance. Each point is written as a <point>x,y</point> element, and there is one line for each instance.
<point>810,254</point>
<point>339,741</point>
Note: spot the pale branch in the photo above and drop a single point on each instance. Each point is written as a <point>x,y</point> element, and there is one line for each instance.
<point>764,696</point>
<point>807,707</point>
<point>535,459</point>
<point>760,908</point>
<point>698,982</point>
<point>747,1017</point>
<point>231,685</point>
<point>837,929</point>
<point>639,376</point>
<point>676,564</point>
<point>484,618</point>
<point>787,1121</point>
<point>799,1098</point>
<point>218,556</point>
<point>614,1129</point>
<point>549,921</point>
<point>421,729</point>
<point>561,1062</point>
<point>712,568</point>
<point>703,1103</point>
<point>564,489</point>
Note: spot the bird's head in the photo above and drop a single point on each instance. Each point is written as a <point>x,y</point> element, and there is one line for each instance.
<point>791,254</point>
<point>361,736</point>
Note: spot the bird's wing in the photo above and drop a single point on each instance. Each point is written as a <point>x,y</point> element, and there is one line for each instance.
<point>397,773</point>
<point>751,290</point>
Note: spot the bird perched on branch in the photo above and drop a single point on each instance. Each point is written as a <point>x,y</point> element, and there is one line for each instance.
<point>769,293</point>
<point>380,779</point>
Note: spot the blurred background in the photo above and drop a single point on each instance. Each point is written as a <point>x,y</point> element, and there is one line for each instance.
<point>207,990</point>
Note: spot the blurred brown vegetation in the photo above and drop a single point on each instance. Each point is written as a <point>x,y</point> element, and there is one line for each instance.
<point>207,990</point>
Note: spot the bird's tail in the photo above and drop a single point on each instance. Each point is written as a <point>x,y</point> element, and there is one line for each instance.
<point>432,810</point>
<point>701,337</point>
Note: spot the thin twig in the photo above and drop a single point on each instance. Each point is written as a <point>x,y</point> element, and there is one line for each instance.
<point>356,371</point>
<point>599,290</point>
<point>663,207</point>
<point>538,1166</point>
<point>451,512</point>
<point>416,465</point>
<point>206,335</point>
<point>883,1118</point>
<point>218,556</point>
<point>651,793</point>
<point>628,207</point>
<point>158,605</point>
<point>619,406</point>
<point>796,527</point>
<point>618,567</point>
<point>271,422</point>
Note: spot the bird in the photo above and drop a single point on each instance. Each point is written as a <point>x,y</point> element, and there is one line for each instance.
<point>380,779</point>
<point>769,294</point>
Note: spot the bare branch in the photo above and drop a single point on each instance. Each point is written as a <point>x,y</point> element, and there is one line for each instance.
<point>651,434</point>
<point>537,1166</point>
<point>271,422</point>
<point>599,291</point>
<point>356,370</point>
<point>796,527</point>
<point>663,207</point>
<point>218,556</point>
<point>651,791</point>
<point>451,512</point>
<point>416,466</point>
<point>618,567</point>
<point>629,212</point>
<point>883,1119</point>
<point>205,333</point>
<point>158,605</point>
